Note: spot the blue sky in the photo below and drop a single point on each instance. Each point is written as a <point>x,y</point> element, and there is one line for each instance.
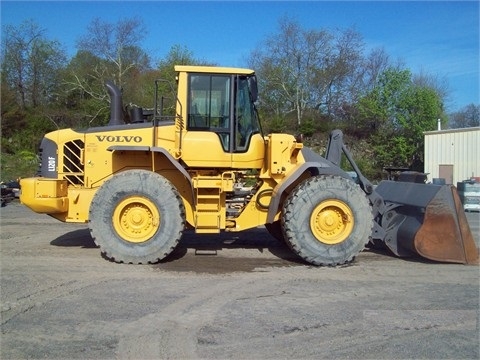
<point>439,38</point>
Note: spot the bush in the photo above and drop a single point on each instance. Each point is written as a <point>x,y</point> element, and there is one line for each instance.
<point>23,164</point>
<point>307,128</point>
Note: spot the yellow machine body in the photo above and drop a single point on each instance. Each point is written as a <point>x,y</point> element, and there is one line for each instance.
<point>212,155</point>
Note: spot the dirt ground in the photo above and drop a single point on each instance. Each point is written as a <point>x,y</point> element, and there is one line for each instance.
<point>228,296</point>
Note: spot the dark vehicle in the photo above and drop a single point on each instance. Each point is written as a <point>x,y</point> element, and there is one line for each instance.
<point>15,187</point>
<point>7,194</point>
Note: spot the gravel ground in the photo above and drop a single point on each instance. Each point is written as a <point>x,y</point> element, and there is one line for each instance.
<point>227,296</point>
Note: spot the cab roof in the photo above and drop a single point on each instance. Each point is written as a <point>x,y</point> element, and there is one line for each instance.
<point>213,70</point>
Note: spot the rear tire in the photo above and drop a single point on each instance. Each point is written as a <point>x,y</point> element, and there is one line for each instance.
<point>137,216</point>
<point>327,220</point>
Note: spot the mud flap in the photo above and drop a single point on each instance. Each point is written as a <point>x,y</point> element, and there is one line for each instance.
<point>426,220</point>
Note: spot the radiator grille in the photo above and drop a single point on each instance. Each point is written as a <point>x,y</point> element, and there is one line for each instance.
<point>73,170</point>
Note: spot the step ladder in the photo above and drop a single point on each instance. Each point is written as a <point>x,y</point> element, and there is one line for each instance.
<point>210,203</point>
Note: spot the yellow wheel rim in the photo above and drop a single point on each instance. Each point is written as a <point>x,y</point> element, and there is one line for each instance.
<point>331,222</point>
<point>136,219</point>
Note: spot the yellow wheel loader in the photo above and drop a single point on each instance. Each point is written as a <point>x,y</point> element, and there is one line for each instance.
<point>205,165</point>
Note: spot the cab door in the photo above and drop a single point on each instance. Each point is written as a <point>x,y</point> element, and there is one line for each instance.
<point>222,124</point>
<point>206,142</point>
<point>249,144</point>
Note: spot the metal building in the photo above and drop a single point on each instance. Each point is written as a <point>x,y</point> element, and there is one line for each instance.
<point>453,155</point>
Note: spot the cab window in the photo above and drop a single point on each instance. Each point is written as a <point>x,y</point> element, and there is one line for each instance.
<point>209,105</point>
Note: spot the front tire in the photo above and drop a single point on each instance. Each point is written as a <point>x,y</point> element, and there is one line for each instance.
<point>327,220</point>
<point>275,229</point>
<point>137,216</point>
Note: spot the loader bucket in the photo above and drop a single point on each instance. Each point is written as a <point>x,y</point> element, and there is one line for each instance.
<point>426,220</point>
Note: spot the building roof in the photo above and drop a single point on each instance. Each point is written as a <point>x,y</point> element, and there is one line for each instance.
<point>446,131</point>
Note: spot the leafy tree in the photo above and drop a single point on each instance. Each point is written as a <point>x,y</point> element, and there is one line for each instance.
<point>31,64</point>
<point>397,112</point>
<point>84,68</point>
<point>13,116</point>
<point>177,55</point>
<point>84,99</point>
<point>437,83</point>
<point>108,51</point>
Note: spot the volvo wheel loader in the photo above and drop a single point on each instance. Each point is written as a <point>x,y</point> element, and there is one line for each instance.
<point>143,179</point>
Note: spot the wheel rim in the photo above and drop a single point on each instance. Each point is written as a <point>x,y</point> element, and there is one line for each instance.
<point>332,222</point>
<point>136,219</point>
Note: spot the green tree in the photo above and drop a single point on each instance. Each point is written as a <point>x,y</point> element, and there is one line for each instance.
<point>31,64</point>
<point>177,55</point>
<point>13,115</point>
<point>397,112</point>
<point>31,67</point>
<point>108,51</point>
<point>84,100</point>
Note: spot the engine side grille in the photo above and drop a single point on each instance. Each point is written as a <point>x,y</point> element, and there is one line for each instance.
<point>73,170</point>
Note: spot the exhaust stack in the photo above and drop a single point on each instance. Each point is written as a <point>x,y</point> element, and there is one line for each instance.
<point>116,103</point>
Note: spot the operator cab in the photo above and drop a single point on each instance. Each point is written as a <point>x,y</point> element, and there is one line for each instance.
<point>224,104</point>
